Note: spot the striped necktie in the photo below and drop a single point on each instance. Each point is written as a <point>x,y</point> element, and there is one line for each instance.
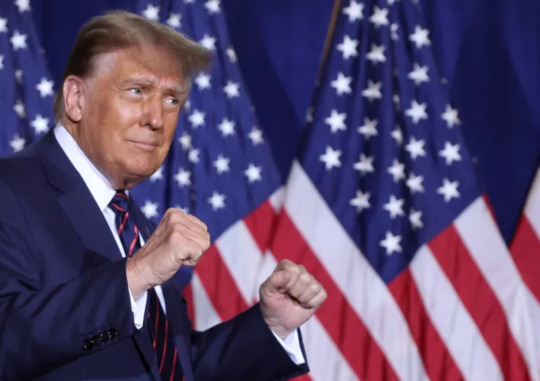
<point>162,337</point>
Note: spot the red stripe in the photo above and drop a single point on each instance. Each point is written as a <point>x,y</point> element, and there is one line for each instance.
<point>174,364</point>
<point>525,250</point>
<point>437,360</point>
<point>336,315</point>
<point>134,241</point>
<point>219,285</point>
<point>123,224</point>
<point>480,300</point>
<point>164,346</point>
<point>118,207</point>
<point>122,194</point>
<point>262,224</point>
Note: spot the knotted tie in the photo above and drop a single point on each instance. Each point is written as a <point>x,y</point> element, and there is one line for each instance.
<point>167,354</point>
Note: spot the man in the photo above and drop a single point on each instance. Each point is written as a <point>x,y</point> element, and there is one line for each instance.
<point>71,306</point>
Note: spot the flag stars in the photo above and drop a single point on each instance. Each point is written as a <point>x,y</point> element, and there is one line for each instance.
<point>185,141</point>
<point>394,206</point>
<point>226,127</point>
<point>222,164</point>
<point>23,5</point>
<point>45,88</point>
<point>450,153</point>
<point>1,61</point>
<point>369,128</point>
<point>379,17</point>
<point>361,201</point>
<point>217,201</point>
<point>157,175</point>
<point>373,91</point>
<point>414,183</point>
<point>364,164</point>
<point>150,209</point>
<point>394,31</point>
<point>376,54</point>
<point>450,116</point>
<point>17,143</point>
<point>151,12</point>
<point>203,81</point>
<point>342,84</point>
<point>391,243</point>
<point>354,11</point>
<point>19,76</point>
<point>174,20</point>
<point>197,118</point>
<point>208,42</point>
<point>417,111</point>
<point>212,6</point>
<point>419,74</point>
<point>193,155</point>
<point>253,173</point>
<point>20,109</point>
<point>183,177</point>
<point>232,89</point>
<point>255,135</point>
<point>231,54</point>
<point>397,135</point>
<point>449,190</point>
<point>336,121</point>
<point>415,218</point>
<point>331,158</point>
<point>348,47</point>
<point>40,124</point>
<point>415,148</point>
<point>420,37</point>
<point>18,40</point>
<point>3,25</point>
<point>397,170</point>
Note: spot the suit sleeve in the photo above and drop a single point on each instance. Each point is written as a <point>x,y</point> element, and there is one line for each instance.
<point>42,326</point>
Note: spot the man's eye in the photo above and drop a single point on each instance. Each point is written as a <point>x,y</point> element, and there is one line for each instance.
<point>135,91</point>
<point>171,101</point>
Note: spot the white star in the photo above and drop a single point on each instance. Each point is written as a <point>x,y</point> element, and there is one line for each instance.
<point>369,128</point>
<point>397,170</point>
<point>1,61</point>
<point>17,143</point>
<point>354,11</point>
<point>232,55</point>
<point>379,17</point>
<point>151,12</point>
<point>331,158</point>
<point>417,111</point>
<point>391,243</point>
<point>185,141</point>
<point>391,2</point>
<point>3,25</point>
<point>415,218</point>
<point>232,89</point>
<point>361,201</point>
<point>18,40</point>
<point>256,136</point>
<point>397,102</point>
<point>203,81</point>
<point>415,148</point>
<point>212,6</point>
<point>450,153</point>
<point>376,54</point>
<point>157,175</point>
<point>397,135</point>
<point>336,121</point>
<point>45,87</point>
<point>253,173</point>
<point>419,74</point>
<point>208,42</point>
<point>217,201</point>
<point>364,164</point>
<point>150,209</point>
<point>394,31</point>
<point>373,90</point>
<point>183,177</point>
<point>449,189</point>
<point>414,183</point>
<point>420,37</point>
<point>226,127</point>
<point>342,84</point>
<point>40,124</point>
<point>193,155</point>
<point>197,118</point>
<point>23,5</point>
<point>19,109</point>
<point>174,20</point>
<point>19,76</point>
<point>189,1</point>
<point>450,116</point>
<point>309,115</point>
<point>222,164</point>
<point>348,47</point>
<point>394,206</point>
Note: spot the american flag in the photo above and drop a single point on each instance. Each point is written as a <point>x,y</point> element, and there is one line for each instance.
<point>26,88</point>
<point>383,207</point>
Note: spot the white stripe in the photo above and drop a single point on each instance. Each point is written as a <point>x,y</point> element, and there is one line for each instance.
<point>449,316</point>
<point>483,241</point>
<point>532,208</point>
<point>277,199</point>
<point>203,309</point>
<point>364,289</point>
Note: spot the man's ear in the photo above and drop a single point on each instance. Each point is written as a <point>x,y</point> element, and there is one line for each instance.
<point>74,97</point>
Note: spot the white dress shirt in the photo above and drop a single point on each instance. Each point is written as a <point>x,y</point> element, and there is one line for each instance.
<point>103,192</point>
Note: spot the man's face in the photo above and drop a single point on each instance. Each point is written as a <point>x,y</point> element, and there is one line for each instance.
<point>130,108</point>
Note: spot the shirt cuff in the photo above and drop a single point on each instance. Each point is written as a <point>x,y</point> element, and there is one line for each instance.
<point>138,307</point>
<point>291,344</point>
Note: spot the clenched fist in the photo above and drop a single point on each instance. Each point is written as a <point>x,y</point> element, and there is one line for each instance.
<point>179,240</point>
<point>289,297</point>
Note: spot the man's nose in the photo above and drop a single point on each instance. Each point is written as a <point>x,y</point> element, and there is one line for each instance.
<point>153,113</point>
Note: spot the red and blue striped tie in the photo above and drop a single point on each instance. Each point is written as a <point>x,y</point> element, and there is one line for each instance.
<point>166,352</point>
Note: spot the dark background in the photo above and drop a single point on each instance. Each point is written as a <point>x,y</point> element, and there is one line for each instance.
<point>488,50</point>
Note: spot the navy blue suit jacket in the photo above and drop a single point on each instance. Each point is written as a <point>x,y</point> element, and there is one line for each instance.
<point>65,312</point>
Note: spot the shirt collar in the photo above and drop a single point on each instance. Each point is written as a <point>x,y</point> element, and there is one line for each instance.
<point>100,188</point>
